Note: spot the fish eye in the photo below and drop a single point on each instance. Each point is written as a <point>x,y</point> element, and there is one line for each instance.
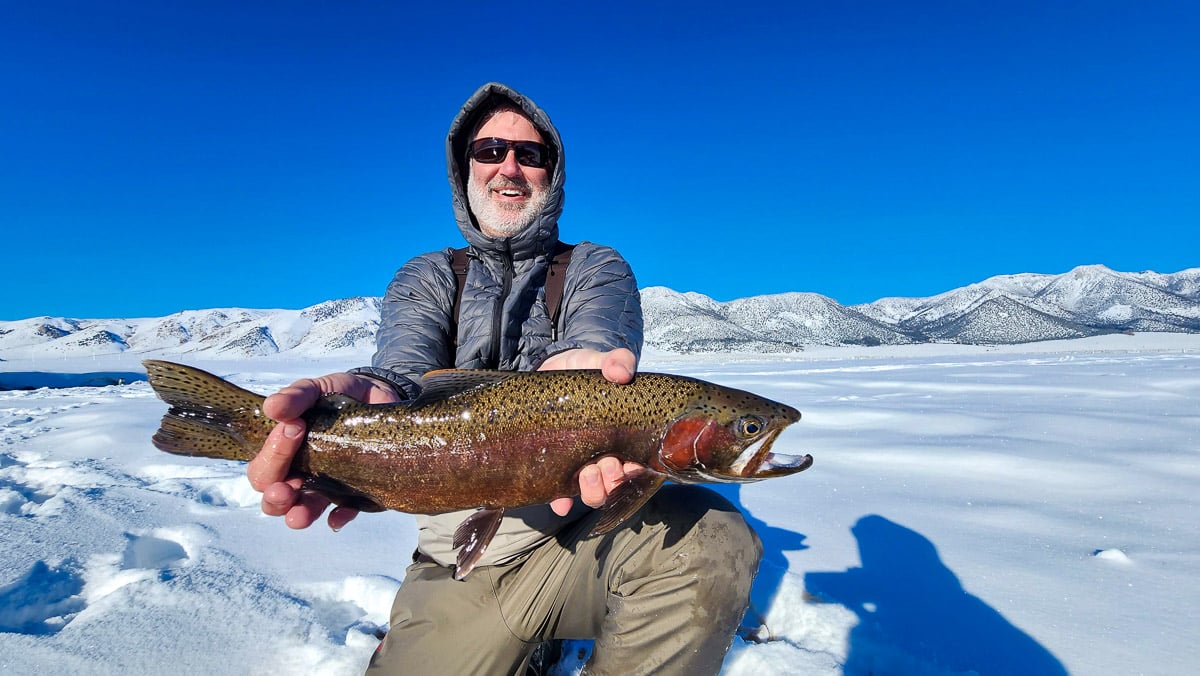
<point>751,426</point>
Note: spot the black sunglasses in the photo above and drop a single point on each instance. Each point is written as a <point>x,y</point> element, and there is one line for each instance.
<point>494,150</point>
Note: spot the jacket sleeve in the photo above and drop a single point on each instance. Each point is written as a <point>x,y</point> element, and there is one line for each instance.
<point>601,307</point>
<point>414,324</point>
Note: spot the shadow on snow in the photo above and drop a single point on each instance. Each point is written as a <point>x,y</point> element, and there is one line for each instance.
<point>914,614</point>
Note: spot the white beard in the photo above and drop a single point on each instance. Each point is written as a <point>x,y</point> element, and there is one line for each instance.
<point>498,219</point>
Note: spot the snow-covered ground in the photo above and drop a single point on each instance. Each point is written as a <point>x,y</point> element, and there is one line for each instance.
<point>1028,509</point>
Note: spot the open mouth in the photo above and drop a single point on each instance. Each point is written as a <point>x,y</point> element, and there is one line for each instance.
<point>781,464</point>
<point>757,462</point>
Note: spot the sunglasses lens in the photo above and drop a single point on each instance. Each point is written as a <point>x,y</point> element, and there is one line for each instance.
<point>494,150</point>
<point>531,154</point>
<point>489,150</point>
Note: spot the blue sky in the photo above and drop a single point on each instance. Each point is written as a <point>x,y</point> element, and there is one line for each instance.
<point>163,156</point>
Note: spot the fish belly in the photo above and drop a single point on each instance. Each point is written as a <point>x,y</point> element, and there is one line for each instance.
<point>461,469</point>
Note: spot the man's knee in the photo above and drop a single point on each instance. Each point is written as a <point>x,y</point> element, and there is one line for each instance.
<point>431,614</point>
<point>714,522</point>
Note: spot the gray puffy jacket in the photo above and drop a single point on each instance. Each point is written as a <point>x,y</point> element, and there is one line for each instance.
<point>503,322</point>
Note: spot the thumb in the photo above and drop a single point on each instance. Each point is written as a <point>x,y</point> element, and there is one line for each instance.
<point>292,401</point>
<point>619,366</point>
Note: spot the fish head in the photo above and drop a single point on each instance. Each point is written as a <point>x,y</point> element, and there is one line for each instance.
<point>725,436</point>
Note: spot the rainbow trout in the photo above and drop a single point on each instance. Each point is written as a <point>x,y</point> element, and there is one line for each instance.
<point>491,440</point>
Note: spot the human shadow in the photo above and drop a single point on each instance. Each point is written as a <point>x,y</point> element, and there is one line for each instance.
<point>914,613</point>
<point>774,565</point>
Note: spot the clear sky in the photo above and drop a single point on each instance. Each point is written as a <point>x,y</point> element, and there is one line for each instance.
<point>163,156</point>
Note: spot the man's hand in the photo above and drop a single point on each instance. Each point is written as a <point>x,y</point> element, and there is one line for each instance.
<point>618,366</point>
<point>596,479</point>
<point>268,471</point>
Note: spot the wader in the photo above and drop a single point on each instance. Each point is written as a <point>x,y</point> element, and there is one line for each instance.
<point>661,594</point>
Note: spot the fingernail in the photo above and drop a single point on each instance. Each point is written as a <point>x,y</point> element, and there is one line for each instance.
<point>292,430</point>
<point>592,478</point>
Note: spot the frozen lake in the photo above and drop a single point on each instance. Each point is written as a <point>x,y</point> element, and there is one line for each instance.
<point>1020,509</point>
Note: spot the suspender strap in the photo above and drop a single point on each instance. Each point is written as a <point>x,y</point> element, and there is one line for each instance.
<point>458,263</point>
<point>556,277</point>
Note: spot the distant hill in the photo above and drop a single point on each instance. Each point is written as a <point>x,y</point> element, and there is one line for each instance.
<point>325,329</point>
<point>1087,301</point>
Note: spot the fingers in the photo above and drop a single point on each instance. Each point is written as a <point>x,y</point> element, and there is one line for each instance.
<point>591,486</point>
<point>619,366</point>
<point>340,516</point>
<point>598,479</point>
<point>563,360</point>
<point>612,471</point>
<point>308,509</point>
<point>292,401</point>
<point>274,462</point>
<point>299,509</point>
<point>269,471</point>
<point>280,497</point>
<point>562,506</point>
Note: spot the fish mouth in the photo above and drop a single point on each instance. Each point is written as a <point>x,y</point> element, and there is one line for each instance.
<point>758,462</point>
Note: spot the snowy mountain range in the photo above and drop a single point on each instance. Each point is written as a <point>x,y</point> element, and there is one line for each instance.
<point>326,329</point>
<point>1086,301</point>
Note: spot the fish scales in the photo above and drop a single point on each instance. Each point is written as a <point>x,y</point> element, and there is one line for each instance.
<point>491,439</point>
<point>520,441</point>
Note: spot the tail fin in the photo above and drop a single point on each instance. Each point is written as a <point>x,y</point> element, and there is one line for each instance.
<point>209,417</point>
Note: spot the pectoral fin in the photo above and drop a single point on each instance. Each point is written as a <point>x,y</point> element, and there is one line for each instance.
<point>340,494</point>
<point>473,536</point>
<point>628,498</point>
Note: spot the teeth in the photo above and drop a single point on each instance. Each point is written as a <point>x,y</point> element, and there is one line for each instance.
<point>739,465</point>
<point>510,193</point>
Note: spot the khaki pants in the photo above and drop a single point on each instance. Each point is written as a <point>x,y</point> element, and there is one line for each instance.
<point>661,594</point>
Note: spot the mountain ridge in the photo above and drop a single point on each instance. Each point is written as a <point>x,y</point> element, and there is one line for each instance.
<point>1006,309</point>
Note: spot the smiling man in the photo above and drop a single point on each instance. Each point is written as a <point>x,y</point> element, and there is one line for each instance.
<point>664,592</point>
<point>506,195</point>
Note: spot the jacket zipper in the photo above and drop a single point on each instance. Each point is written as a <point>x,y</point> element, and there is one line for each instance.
<point>505,288</point>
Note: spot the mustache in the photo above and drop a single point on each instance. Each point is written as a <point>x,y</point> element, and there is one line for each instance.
<point>502,182</point>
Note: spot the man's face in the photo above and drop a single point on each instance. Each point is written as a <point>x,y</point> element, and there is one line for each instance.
<point>507,197</point>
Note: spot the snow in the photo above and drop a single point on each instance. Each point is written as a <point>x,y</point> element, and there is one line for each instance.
<point>1014,509</point>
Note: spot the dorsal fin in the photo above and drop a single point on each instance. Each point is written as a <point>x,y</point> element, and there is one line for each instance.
<point>442,384</point>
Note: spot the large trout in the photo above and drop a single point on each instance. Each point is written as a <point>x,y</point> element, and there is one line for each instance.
<point>491,440</point>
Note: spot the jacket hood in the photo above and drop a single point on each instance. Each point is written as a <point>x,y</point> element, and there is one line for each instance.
<point>541,235</point>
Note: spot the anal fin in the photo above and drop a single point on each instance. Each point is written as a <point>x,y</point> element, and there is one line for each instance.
<point>473,536</point>
<point>628,498</point>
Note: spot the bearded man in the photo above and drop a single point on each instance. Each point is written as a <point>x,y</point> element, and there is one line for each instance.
<point>663,593</point>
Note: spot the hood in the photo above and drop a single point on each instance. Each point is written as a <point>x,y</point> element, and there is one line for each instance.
<point>541,235</point>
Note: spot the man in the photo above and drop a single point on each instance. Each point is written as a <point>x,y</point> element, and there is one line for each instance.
<point>661,594</point>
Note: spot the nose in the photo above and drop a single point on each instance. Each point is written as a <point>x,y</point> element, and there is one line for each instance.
<point>510,167</point>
